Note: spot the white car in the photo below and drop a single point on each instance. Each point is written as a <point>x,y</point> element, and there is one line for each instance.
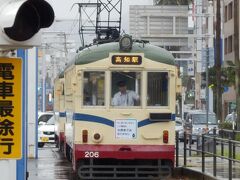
<point>46,132</point>
<point>231,118</point>
<point>179,128</point>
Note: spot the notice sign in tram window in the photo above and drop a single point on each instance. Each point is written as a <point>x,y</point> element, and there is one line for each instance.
<point>10,108</point>
<point>126,60</point>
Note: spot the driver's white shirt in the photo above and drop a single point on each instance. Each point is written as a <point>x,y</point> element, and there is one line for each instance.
<point>125,99</point>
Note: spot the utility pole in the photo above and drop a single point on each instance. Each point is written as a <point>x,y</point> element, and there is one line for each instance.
<point>218,63</point>
<point>65,48</point>
<point>207,83</point>
<point>237,62</point>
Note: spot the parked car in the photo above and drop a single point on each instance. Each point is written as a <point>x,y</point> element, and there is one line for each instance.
<point>196,121</point>
<point>231,118</point>
<point>46,132</point>
<point>179,128</point>
<point>44,116</point>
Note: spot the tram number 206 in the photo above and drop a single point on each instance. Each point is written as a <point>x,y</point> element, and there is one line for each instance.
<point>90,154</point>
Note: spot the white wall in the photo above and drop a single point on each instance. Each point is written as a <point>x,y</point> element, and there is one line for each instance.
<point>32,90</point>
<point>8,169</point>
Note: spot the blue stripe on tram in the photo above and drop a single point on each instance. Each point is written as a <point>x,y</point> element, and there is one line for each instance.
<point>101,120</point>
<point>92,118</point>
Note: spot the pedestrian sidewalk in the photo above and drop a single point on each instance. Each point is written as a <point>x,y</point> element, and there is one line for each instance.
<point>195,163</point>
<point>50,165</point>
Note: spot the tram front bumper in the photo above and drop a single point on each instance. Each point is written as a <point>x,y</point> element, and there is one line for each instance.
<point>125,151</point>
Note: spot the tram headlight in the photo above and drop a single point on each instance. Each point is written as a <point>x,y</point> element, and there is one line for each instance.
<point>126,43</point>
<point>97,137</point>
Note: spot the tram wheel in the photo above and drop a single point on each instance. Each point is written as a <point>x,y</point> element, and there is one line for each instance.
<point>68,153</point>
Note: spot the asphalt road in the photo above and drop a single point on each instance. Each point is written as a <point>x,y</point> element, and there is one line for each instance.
<point>51,165</point>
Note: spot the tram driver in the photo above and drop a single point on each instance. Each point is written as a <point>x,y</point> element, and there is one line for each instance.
<point>124,97</point>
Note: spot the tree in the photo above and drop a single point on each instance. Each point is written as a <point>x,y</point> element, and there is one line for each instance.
<point>227,78</point>
<point>218,63</point>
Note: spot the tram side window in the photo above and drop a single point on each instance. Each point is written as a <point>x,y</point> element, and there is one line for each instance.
<point>93,91</point>
<point>157,89</point>
<point>126,88</point>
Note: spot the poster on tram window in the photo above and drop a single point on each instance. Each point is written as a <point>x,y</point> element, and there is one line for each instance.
<point>126,129</point>
<point>10,108</point>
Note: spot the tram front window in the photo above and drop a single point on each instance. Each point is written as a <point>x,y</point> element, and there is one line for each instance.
<point>157,89</point>
<point>93,92</point>
<point>126,88</point>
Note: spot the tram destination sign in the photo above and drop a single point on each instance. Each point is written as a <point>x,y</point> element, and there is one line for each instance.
<point>10,108</point>
<point>126,60</point>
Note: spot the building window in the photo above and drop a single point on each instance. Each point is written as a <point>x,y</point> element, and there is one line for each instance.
<point>226,14</point>
<point>230,11</point>
<point>230,44</point>
<point>225,46</point>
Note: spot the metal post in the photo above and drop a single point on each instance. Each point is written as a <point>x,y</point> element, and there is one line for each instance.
<point>222,145</point>
<point>197,144</point>
<point>203,155</point>
<point>190,144</point>
<point>207,82</point>
<point>185,150</point>
<point>230,159</point>
<point>44,80</point>
<point>214,153</point>
<point>234,147</point>
<point>177,147</point>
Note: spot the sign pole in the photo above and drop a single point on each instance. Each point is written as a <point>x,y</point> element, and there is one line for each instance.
<point>22,163</point>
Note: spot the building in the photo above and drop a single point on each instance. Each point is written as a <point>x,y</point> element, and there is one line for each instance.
<point>167,27</point>
<point>229,97</point>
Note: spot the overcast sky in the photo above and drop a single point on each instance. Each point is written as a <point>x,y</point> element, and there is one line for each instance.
<point>63,9</point>
<point>66,17</point>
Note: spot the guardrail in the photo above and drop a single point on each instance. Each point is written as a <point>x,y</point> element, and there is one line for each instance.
<point>207,145</point>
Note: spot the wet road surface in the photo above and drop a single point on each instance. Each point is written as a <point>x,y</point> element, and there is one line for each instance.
<point>50,165</point>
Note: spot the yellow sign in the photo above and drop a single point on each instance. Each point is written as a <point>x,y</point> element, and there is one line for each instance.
<point>10,108</point>
<point>126,60</point>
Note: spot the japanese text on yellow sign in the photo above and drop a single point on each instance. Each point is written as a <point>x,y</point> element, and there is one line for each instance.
<point>126,60</point>
<point>10,108</point>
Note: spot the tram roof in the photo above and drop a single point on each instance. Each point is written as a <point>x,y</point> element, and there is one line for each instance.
<point>98,52</point>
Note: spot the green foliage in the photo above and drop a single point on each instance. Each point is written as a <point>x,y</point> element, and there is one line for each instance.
<point>173,2</point>
<point>238,137</point>
<point>226,154</point>
<point>227,77</point>
<point>225,125</point>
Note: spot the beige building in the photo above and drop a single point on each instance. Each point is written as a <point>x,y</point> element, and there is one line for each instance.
<point>229,97</point>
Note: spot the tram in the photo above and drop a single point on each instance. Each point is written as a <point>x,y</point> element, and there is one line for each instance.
<point>119,100</point>
<point>59,111</point>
